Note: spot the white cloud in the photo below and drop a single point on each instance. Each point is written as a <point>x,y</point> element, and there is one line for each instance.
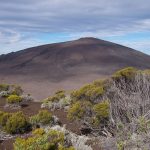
<point>76,18</point>
<point>8,36</point>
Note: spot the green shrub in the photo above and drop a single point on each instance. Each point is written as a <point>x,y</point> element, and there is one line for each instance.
<point>53,99</point>
<point>60,94</point>
<point>1,117</point>
<point>13,122</point>
<point>38,131</point>
<point>56,136</point>
<point>127,73</point>
<point>12,99</point>
<point>16,90</point>
<point>32,143</point>
<point>89,92</point>
<point>102,110</point>
<point>4,118</point>
<point>43,117</point>
<point>143,125</point>
<point>16,123</point>
<point>34,120</point>
<point>147,72</point>
<point>56,97</point>
<point>61,147</point>
<point>95,121</point>
<point>100,82</point>
<point>53,140</point>
<point>4,87</point>
<point>76,111</point>
<point>120,145</point>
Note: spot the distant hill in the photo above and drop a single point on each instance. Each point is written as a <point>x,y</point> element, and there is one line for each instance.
<point>44,69</point>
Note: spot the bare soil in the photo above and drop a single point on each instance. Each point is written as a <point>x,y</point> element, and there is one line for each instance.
<point>33,108</point>
<point>45,69</point>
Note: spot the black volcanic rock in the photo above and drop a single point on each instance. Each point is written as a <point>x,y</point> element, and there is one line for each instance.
<point>67,65</point>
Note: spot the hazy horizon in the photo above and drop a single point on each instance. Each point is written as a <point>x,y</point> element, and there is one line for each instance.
<point>10,51</point>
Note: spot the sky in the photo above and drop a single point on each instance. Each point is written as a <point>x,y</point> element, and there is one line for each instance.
<point>28,23</point>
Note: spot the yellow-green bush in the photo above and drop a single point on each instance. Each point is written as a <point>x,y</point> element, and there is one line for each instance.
<point>4,87</point>
<point>60,94</point>
<point>61,147</point>
<point>53,98</point>
<point>143,125</point>
<point>34,120</point>
<point>101,82</point>
<point>56,97</point>
<point>38,131</point>
<point>88,92</point>
<point>4,116</point>
<point>16,123</point>
<point>95,121</point>
<point>128,73</point>
<point>102,110</point>
<point>43,117</point>
<point>147,72</point>
<point>53,140</point>
<point>14,99</point>
<point>76,111</point>
<point>13,122</point>
<point>16,90</point>
<point>33,143</point>
<point>56,137</point>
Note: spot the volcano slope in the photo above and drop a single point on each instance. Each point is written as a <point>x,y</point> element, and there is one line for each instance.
<point>44,69</point>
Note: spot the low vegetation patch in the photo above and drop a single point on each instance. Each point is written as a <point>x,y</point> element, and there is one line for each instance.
<point>115,107</point>
<point>14,99</point>
<point>102,109</point>
<point>44,117</point>
<point>127,73</point>
<point>14,122</point>
<point>4,87</point>
<point>89,92</point>
<point>52,140</point>
<point>58,101</point>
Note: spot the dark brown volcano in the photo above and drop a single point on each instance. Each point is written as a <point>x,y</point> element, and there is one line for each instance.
<point>44,69</point>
